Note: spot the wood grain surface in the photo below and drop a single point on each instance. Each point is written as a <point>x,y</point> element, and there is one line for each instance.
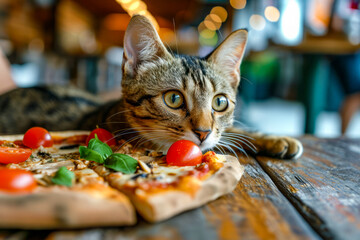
<point>324,185</point>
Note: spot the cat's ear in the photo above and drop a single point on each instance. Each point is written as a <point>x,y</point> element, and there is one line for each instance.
<point>141,44</point>
<point>229,55</point>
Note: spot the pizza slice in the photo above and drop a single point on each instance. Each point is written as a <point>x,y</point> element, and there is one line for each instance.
<point>87,202</point>
<point>160,191</point>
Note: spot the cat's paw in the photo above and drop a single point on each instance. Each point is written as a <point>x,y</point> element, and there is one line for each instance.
<point>281,147</point>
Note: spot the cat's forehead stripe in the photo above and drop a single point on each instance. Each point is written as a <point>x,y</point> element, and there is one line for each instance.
<point>196,69</point>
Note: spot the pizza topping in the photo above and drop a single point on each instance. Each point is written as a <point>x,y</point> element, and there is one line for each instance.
<point>144,166</point>
<point>16,181</point>
<point>8,144</point>
<point>184,153</point>
<point>96,150</point>
<point>69,147</point>
<point>214,161</point>
<point>63,177</point>
<point>36,137</point>
<point>43,154</point>
<point>14,155</point>
<point>101,153</point>
<point>103,135</point>
<point>80,164</point>
<point>121,163</point>
<point>140,175</point>
<point>87,176</point>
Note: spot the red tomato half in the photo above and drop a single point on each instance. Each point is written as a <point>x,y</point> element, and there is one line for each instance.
<point>14,155</point>
<point>103,135</point>
<point>184,153</point>
<point>16,181</point>
<point>36,137</point>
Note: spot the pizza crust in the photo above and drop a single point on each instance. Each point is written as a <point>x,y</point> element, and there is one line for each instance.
<point>160,206</point>
<point>65,208</point>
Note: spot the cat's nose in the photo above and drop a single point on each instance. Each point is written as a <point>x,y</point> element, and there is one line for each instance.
<point>202,134</point>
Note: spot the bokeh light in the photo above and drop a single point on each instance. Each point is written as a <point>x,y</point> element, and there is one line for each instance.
<point>238,4</point>
<point>272,13</point>
<point>210,24</point>
<point>209,41</point>
<point>201,27</point>
<point>212,21</point>
<point>221,12</point>
<point>207,33</point>
<point>257,22</point>
<point>133,7</point>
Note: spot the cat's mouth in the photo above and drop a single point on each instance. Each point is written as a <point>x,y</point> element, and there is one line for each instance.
<point>209,143</point>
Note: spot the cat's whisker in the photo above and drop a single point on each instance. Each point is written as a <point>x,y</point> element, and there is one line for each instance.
<point>237,147</point>
<point>131,130</point>
<point>242,138</point>
<point>239,140</point>
<point>249,81</point>
<point>225,145</point>
<point>128,141</point>
<point>237,134</point>
<point>104,123</point>
<point>111,116</point>
<point>149,140</point>
<point>243,125</point>
<point>221,150</point>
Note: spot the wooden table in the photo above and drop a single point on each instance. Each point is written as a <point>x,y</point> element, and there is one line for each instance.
<point>317,196</point>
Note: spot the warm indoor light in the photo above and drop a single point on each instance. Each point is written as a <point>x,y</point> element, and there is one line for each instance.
<point>210,24</point>
<point>214,19</point>
<point>125,1</point>
<point>116,21</point>
<point>209,41</point>
<point>257,22</point>
<point>201,27</point>
<point>272,14</point>
<point>207,33</point>
<point>238,4</point>
<point>221,12</point>
<point>133,7</point>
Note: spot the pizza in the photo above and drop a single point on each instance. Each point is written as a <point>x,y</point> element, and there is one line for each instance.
<point>78,179</point>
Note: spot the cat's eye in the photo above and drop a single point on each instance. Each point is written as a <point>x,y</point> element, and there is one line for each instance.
<point>173,99</point>
<point>220,103</point>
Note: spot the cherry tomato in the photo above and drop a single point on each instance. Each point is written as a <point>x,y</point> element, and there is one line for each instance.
<point>184,153</point>
<point>103,135</point>
<point>14,155</point>
<point>36,137</point>
<point>16,181</point>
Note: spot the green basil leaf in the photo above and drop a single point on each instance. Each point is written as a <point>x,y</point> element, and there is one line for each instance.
<point>63,177</point>
<point>121,163</point>
<point>88,154</point>
<point>98,146</point>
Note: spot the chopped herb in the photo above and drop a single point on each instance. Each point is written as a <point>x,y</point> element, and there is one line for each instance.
<point>63,177</point>
<point>95,151</point>
<point>102,148</point>
<point>88,154</point>
<point>122,163</point>
<point>101,153</point>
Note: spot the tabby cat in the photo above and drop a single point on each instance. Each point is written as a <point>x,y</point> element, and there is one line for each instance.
<point>165,97</point>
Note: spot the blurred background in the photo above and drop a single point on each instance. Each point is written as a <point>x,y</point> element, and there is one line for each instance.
<point>300,74</point>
